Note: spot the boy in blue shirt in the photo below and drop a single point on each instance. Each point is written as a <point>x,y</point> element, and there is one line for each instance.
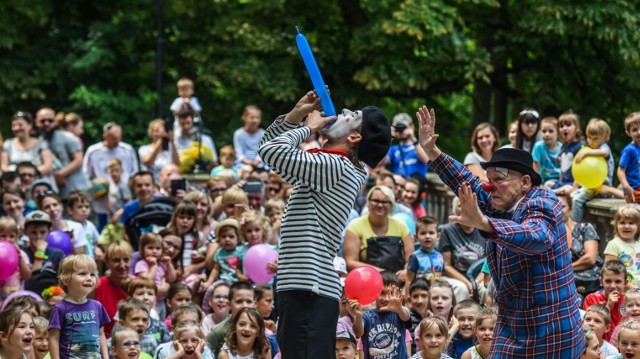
<point>628,167</point>
<point>426,262</point>
<point>385,325</point>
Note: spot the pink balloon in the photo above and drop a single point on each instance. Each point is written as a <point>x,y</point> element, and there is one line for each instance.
<point>9,259</point>
<point>256,260</point>
<point>364,284</point>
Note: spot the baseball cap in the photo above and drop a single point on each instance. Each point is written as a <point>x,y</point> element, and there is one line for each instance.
<point>402,119</point>
<point>345,335</point>
<point>37,217</point>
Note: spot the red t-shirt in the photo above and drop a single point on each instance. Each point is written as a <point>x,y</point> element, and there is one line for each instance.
<point>616,315</point>
<point>109,295</point>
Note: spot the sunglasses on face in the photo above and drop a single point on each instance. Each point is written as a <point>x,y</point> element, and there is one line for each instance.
<point>47,120</point>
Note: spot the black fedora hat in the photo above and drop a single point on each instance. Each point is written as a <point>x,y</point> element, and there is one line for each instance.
<point>514,159</point>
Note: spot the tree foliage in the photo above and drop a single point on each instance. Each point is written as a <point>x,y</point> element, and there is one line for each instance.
<point>474,60</point>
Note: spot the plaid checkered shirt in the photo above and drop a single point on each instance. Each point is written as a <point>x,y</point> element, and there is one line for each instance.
<point>531,267</point>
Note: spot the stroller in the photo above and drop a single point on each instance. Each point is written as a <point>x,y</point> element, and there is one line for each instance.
<point>153,217</point>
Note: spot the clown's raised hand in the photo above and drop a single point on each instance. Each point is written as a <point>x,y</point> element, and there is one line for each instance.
<point>427,132</point>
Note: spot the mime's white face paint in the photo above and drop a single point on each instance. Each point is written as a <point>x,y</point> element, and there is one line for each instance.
<point>347,121</point>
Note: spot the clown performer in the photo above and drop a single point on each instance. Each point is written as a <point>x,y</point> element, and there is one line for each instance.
<point>326,182</point>
<point>526,249</point>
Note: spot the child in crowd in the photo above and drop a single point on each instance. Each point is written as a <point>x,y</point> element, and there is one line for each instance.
<point>254,230</point>
<point>226,167</point>
<point>628,340</point>
<point>485,324</point>
<point>185,95</point>
<point>592,349</point>
<point>466,312</point>
<point>434,335</point>
<point>9,233</point>
<point>613,280</point>
<point>426,262</point>
<point>134,314</point>
<point>153,265</point>
<point>145,290</point>
<point>346,345</point>
<point>226,258</point>
<point>387,318</point>
<point>72,330</point>
<point>569,130</point>
<point>79,208</point>
<point>598,320</point>
<point>217,298</point>
<point>631,308</point>
<point>350,316</point>
<point>119,192</point>
<point>442,300</point>
<point>172,247</point>
<point>598,133</point>
<point>264,304</point>
<point>16,324</point>
<point>274,210</point>
<point>628,171</point>
<point>241,294</point>
<point>51,204</point>
<point>625,245</point>
<point>545,152</point>
<point>246,140</point>
<point>528,129</point>
<point>188,313</point>
<point>125,344</point>
<point>412,196</point>
<point>42,258</point>
<point>41,339</point>
<point>188,343</point>
<point>419,301</point>
<point>179,294</point>
<point>246,337</point>
<point>184,221</point>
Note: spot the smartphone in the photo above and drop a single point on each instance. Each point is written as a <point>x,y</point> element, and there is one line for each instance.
<point>253,187</point>
<point>177,184</point>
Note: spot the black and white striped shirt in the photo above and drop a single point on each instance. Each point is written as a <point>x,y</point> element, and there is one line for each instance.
<point>325,189</point>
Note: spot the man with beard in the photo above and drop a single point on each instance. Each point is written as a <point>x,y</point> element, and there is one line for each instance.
<point>67,167</point>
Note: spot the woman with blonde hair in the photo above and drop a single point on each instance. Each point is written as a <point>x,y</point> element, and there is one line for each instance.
<point>376,239</point>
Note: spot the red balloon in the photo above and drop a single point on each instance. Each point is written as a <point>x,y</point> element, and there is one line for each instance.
<point>364,284</point>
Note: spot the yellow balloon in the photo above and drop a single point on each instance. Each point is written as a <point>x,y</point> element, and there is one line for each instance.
<point>591,172</point>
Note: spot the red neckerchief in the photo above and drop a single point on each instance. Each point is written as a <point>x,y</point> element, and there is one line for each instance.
<point>335,151</point>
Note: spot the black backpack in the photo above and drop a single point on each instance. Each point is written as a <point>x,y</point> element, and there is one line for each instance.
<point>156,213</point>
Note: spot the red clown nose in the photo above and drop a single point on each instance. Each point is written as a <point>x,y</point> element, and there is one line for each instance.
<point>488,187</point>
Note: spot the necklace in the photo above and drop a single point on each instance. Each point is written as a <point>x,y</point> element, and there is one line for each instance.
<point>478,350</point>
